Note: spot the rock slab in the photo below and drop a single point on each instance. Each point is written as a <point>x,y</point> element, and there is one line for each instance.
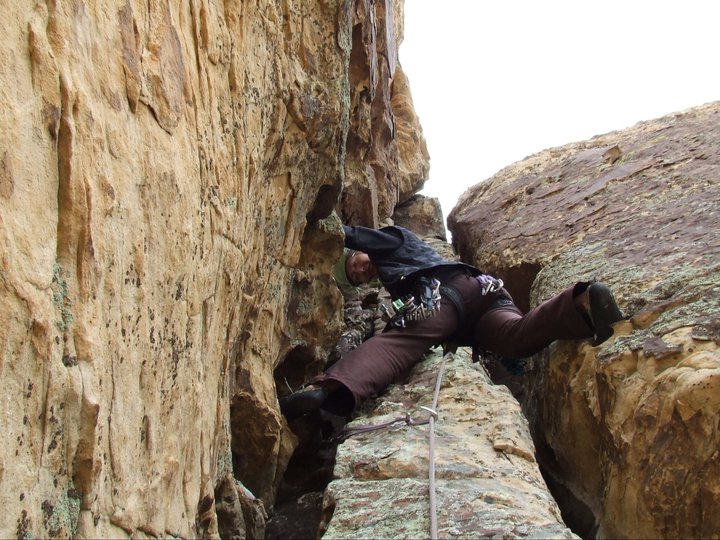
<point>487,481</point>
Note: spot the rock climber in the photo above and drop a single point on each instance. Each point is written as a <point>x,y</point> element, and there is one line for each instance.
<point>438,301</point>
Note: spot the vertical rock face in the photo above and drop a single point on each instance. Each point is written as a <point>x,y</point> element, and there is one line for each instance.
<point>628,431</point>
<point>168,173</point>
<point>387,160</point>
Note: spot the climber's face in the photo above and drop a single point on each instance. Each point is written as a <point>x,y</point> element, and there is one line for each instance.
<point>359,268</point>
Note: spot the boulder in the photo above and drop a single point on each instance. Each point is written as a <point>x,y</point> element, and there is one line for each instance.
<point>627,432</point>
<point>423,216</point>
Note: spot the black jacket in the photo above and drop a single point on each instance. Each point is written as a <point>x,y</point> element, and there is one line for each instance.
<point>400,256</point>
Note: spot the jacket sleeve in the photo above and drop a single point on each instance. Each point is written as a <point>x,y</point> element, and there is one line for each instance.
<point>371,241</point>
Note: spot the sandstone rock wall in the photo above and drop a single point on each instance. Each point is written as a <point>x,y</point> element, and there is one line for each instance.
<point>168,173</point>
<point>387,160</point>
<point>628,431</point>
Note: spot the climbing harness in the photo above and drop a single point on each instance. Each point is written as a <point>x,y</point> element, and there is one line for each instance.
<point>414,307</point>
<point>425,301</point>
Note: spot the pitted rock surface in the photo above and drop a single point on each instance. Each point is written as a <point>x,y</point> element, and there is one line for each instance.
<point>170,186</point>
<point>630,428</point>
<point>387,160</point>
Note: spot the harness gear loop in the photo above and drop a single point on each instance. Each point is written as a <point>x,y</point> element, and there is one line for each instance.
<point>489,284</point>
<point>422,304</point>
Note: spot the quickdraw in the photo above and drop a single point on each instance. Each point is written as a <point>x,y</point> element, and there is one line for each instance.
<point>489,284</point>
<point>348,432</point>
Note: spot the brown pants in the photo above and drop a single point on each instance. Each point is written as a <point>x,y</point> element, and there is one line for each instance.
<point>377,362</point>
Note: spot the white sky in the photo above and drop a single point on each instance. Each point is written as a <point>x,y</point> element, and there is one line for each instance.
<point>494,81</point>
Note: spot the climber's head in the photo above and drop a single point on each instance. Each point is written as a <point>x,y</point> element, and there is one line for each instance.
<point>359,268</point>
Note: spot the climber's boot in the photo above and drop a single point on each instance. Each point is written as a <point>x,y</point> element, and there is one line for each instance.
<point>304,401</point>
<point>603,312</point>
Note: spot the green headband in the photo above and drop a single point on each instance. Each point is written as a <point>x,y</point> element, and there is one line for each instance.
<point>340,272</point>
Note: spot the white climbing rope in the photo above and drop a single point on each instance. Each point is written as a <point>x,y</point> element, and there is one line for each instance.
<point>431,458</point>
